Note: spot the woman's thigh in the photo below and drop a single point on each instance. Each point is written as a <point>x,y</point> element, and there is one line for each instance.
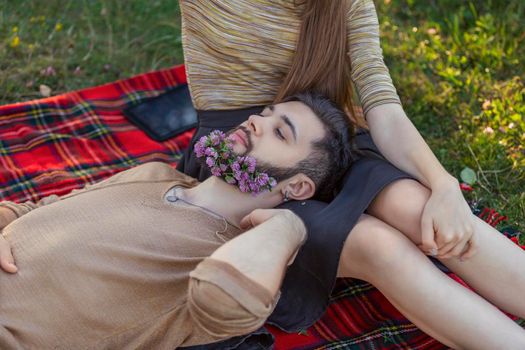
<point>372,248</point>
<point>401,205</point>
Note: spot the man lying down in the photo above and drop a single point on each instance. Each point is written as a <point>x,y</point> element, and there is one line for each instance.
<point>150,258</point>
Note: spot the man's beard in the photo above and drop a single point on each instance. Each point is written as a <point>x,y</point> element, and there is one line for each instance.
<point>279,173</point>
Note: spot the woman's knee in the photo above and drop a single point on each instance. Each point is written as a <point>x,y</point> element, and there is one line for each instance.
<point>401,205</point>
<point>373,247</point>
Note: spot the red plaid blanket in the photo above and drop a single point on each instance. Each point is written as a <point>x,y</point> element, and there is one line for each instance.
<point>57,144</point>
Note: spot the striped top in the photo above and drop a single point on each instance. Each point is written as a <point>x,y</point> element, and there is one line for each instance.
<point>238,52</point>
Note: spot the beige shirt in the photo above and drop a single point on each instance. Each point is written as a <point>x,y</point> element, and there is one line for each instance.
<point>107,267</point>
<point>238,52</point>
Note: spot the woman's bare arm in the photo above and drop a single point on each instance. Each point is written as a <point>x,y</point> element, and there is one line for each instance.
<point>400,142</point>
<point>446,222</point>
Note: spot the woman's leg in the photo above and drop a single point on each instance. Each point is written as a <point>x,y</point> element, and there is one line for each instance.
<point>380,254</point>
<point>497,271</point>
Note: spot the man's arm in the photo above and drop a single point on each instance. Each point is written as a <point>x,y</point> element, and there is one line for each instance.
<point>7,263</point>
<point>6,216</point>
<point>234,291</point>
<point>264,252</point>
<point>10,211</point>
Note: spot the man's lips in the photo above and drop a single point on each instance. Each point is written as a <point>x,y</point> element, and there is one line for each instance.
<point>240,136</point>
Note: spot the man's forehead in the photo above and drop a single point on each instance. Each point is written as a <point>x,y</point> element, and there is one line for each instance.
<point>293,109</point>
<point>301,119</point>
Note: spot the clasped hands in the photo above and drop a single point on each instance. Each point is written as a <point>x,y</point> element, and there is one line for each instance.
<point>447,224</point>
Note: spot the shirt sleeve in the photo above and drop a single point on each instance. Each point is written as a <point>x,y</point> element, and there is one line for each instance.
<point>369,72</point>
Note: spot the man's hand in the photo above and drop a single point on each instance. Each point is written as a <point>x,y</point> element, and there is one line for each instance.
<point>6,217</point>
<point>7,262</point>
<point>259,216</point>
<point>447,224</point>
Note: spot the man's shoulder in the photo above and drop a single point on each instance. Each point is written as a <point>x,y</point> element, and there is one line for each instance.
<point>158,172</point>
<point>147,172</point>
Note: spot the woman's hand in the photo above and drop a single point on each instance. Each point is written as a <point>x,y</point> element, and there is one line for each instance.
<point>7,262</point>
<point>447,224</point>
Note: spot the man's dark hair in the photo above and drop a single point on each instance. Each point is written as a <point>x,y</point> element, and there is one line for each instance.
<point>332,155</point>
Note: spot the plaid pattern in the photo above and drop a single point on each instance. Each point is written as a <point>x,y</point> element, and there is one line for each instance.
<point>57,144</point>
<point>358,317</point>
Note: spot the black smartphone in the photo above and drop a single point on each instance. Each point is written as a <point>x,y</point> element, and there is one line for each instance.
<point>166,115</point>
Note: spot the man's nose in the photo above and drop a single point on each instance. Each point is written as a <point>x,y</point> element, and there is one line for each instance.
<point>255,124</point>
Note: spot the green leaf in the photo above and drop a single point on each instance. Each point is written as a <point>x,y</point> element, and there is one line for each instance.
<point>468,176</point>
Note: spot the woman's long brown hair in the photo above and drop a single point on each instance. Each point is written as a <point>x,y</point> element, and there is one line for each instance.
<point>321,62</point>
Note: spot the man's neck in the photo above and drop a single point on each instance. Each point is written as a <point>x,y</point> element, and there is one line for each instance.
<point>227,200</point>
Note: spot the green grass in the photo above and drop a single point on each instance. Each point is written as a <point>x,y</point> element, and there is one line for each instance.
<point>458,67</point>
<point>85,42</point>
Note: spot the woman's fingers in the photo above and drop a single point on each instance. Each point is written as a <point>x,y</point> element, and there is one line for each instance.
<point>428,244</point>
<point>457,249</point>
<point>7,262</point>
<point>472,248</point>
<point>446,242</point>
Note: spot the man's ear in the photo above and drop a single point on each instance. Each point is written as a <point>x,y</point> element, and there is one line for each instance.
<point>299,187</point>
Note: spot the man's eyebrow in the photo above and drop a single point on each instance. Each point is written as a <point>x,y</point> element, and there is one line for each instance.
<point>286,120</point>
<point>290,124</point>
